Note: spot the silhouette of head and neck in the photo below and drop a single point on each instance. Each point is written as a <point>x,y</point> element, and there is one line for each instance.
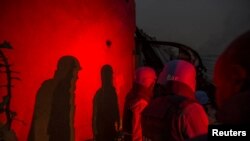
<point>107,76</point>
<point>65,66</point>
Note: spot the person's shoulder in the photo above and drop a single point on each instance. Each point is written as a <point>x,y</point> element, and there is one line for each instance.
<point>195,111</point>
<point>139,105</point>
<point>98,92</point>
<point>49,82</point>
<point>142,102</point>
<point>193,106</point>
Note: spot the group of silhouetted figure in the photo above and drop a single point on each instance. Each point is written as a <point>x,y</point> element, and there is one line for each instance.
<point>174,115</point>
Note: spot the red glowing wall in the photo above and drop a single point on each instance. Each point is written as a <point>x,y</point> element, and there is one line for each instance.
<point>96,32</point>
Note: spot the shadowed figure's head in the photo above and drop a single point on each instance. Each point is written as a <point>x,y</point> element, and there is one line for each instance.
<point>107,75</point>
<point>67,65</point>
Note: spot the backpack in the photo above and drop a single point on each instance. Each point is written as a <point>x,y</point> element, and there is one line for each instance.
<point>161,119</point>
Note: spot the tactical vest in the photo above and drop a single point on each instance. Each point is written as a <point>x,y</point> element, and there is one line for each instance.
<point>161,119</point>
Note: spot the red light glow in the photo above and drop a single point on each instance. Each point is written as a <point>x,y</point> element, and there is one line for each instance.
<point>96,32</point>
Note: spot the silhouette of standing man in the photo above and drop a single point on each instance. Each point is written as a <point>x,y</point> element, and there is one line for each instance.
<point>53,118</point>
<point>105,108</point>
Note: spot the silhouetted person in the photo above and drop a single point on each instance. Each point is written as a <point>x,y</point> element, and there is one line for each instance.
<point>232,79</point>
<point>136,100</point>
<point>105,108</point>
<point>54,107</point>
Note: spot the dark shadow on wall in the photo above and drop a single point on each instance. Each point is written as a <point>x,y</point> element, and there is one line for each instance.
<point>54,107</point>
<point>105,119</point>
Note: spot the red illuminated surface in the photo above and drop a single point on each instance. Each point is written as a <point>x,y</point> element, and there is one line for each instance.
<point>42,31</point>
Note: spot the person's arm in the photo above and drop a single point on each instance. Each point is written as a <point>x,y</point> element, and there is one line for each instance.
<point>195,121</point>
<point>136,122</point>
<point>117,115</point>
